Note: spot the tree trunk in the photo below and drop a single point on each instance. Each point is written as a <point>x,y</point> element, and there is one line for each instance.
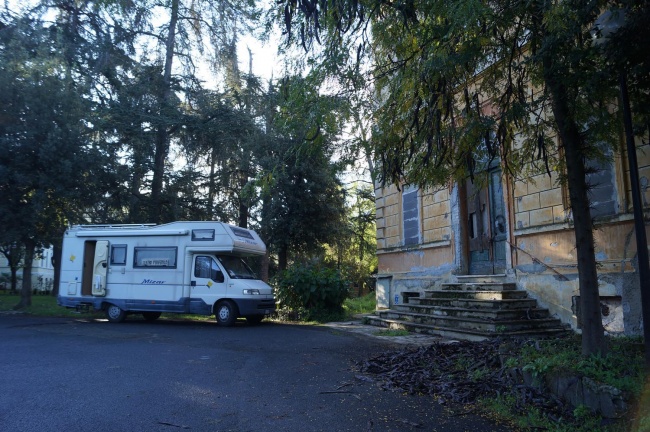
<point>135,198</point>
<point>593,337</point>
<point>14,279</point>
<point>243,214</point>
<point>14,256</point>
<point>162,137</point>
<point>243,208</point>
<point>266,260</point>
<point>212,187</point>
<point>26,291</point>
<point>283,254</point>
<point>56,263</point>
<point>264,266</point>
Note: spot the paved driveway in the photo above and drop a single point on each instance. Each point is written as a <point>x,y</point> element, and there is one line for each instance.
<point>76,375</point>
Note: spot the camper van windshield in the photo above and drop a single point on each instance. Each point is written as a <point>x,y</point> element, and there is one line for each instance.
<point>236,267</point>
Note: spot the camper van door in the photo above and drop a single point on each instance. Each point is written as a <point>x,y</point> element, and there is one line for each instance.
<point>207,280</point>
<point>100,264</point>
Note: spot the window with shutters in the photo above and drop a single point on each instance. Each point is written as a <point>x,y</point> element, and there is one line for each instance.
<point>602,182</point>
<point>410,215</point>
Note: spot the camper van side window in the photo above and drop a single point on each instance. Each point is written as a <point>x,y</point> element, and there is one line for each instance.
<point>241,232</point>
<point>118,254</point>
<point>154,257</point>
<point>203,235</point>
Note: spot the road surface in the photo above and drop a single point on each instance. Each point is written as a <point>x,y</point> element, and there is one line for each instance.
<point>62,374</point>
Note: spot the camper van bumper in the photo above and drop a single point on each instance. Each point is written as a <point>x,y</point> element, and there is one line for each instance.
<point>255,306</point>
<point>76,302</point>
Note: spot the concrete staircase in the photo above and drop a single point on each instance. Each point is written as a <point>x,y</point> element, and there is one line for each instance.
<point>473,308</point>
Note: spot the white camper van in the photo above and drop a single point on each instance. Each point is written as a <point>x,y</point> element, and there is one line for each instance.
<point>180,267</point>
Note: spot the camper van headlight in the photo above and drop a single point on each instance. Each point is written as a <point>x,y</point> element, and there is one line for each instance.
<point>251,292</point>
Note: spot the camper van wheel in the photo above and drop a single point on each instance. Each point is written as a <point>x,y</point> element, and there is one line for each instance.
<point>115,314</point>
<point>151,316</point>
<point>226,313</point>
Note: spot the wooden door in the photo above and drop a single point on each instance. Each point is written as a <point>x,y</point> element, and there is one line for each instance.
<point>487,230</point>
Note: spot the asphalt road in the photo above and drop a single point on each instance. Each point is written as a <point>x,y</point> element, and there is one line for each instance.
<point>78,375</point>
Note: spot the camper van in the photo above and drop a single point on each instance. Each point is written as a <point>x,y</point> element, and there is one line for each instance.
<point>179,267</point>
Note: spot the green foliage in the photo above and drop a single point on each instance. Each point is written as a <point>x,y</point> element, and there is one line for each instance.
<point>353,249</point>
<point>582,412</point>
<point>642,420</point>
<point>478,374</point>
<point>506,408</point>
<point>621,367</point>
<point>47,167</point>
<point>302,201</point>
<point>361,305</point>
<point>50,170</point>
<point>311,286</point>
<point>351,307</point>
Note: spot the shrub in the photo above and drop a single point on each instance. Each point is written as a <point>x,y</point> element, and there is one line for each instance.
<point>311,286</point>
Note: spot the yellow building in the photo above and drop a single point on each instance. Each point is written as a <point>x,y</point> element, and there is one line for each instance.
<point>519,229</point>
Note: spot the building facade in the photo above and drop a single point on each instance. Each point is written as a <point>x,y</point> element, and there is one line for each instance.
<point>42,272</point>
<point>518,227</point>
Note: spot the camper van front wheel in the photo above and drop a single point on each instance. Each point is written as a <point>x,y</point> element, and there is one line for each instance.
<point>115,314</point>
<point>226,313</point>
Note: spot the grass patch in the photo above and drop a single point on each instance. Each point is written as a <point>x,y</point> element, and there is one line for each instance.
<point>360,305</point>
<point>42,305</point>
<point>45,305</point>
<point>188,317</point>
<point>506,409</point>
<point>641,413</point>
<point>621,367</point>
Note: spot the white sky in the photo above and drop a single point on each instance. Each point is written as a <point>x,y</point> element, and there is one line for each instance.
<point>266,63</point>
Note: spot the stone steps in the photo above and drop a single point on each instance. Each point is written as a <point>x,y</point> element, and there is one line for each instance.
<point>470,303</point>
<point>473,308</point>
<point>476,294</point>
<point>479,286</point>
<point>496,314</point>
<point>464,322</point>
<point>455,333</point>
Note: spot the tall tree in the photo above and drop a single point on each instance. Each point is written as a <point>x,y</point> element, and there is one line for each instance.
<point>180,38</point>
<point>303,200</point>
<point>145,59</point>
<point>48,167</point>
<point>217,141</point>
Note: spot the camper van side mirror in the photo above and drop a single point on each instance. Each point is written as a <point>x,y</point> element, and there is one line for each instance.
<point>217,276</point>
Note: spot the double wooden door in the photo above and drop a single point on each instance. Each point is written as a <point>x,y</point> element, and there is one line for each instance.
<point>487,229</point>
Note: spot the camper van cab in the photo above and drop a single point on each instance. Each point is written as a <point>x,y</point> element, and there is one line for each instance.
<point>180,267</point>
